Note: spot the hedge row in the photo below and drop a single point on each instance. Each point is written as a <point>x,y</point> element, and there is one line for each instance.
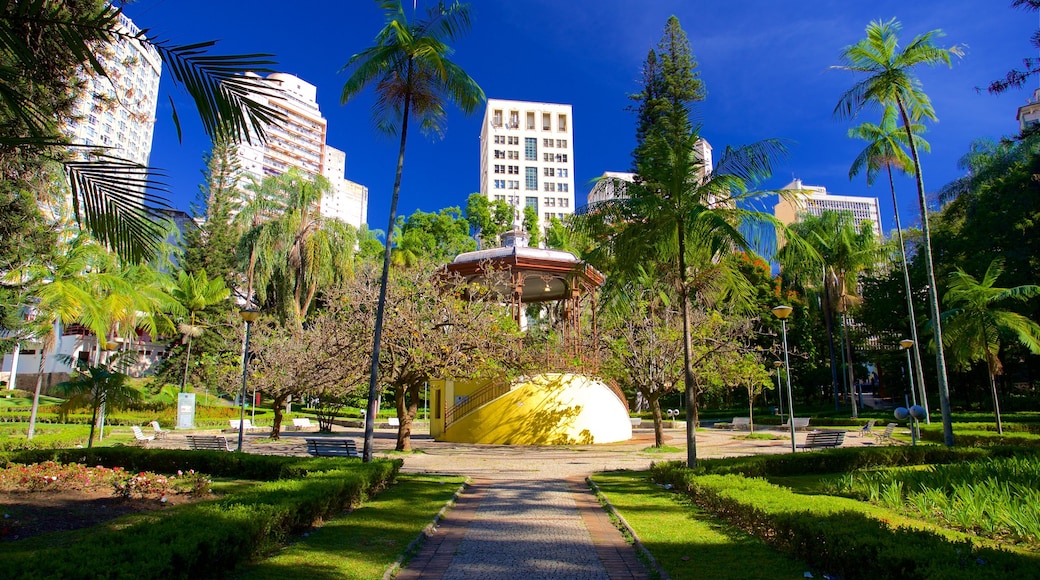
<point>983,438</point>
<point>204,540</point>
<point>824,532</point>
<point>845,460</point>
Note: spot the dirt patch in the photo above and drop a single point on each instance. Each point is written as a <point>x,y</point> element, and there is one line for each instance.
<point>28,514</point>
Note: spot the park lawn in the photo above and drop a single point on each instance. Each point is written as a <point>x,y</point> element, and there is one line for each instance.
<point>686,541</point>
<point>367,541</point>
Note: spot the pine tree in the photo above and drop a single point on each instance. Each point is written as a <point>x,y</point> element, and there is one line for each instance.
<point>211,247</point>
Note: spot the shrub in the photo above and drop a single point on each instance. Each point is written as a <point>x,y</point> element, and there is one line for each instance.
<point>828,534</point>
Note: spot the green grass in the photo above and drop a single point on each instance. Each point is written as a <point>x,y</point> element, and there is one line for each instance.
<point>367,541</point>
<point>687,542</point>
<point>26,403</point>
<point>663,449</point>
<point>762,436</point>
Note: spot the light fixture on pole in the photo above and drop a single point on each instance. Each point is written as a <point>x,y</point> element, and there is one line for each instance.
<point>779,389</point>
<point>782,312</point>
<point>906,344</point>
<point>249,316</point>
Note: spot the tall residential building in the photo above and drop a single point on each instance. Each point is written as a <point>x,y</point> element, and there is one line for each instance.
<point>1029,113</point>
<point>118,112</point>
<point>300,142</point>
<point>527,157</point>
<point>611,185</point>
<point>814,200</point>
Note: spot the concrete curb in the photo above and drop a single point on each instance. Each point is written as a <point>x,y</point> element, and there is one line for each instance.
<point>416,544</point>
<point>661,573</point>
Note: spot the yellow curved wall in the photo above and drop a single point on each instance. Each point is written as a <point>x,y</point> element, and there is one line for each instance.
<point>548,409</point>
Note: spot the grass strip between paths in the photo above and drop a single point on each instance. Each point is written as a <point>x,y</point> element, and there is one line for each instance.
<point>686,541</point>
<point>367,541</point>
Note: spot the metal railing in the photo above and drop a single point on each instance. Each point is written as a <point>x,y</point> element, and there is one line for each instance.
<point>493,389</point>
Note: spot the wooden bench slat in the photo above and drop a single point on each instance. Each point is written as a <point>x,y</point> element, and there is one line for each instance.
<point>208,442</point>
<point>332,447</point>
<point>820,439</point>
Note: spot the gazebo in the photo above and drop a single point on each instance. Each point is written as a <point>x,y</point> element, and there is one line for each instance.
<point>523,275</point>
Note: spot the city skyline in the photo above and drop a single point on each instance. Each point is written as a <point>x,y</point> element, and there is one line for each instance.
<point>765,68</point>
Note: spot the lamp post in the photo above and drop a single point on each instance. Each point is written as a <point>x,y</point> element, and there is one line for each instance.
<point>782,312</point>
<point>906,344</point>
<point>249,316</point>
<point>779,389</point>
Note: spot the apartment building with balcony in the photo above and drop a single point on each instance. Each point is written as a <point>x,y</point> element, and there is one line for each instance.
<point>814,200</point>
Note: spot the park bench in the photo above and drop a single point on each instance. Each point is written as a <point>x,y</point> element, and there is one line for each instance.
<point>799,423</point>
<point>301,423</point>
<point>245,423</point>
<point>740,423</point>
<point>393,422</point>
<point>636,421</point>
<point>140,436</point>
<point>332,447</point>
<point>886,435</point>
<point>867,429</point>
<point>822,439</point>
<point>208,442</point>
<point>159,432</point>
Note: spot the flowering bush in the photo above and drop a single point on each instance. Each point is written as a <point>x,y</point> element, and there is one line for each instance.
<point>52,476</point>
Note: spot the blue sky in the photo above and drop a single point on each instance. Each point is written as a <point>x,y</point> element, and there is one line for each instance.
<point>765,64</point>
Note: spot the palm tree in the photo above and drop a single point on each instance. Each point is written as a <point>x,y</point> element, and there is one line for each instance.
<point>117,200</point>
<point>196,293</point>
<point>884,150</point>
<point>96,387</point>
<point>297,252</point>
<point>841,252</point>
<point>890,80</point>
<point>682,213</point>
<point>414,76</point>
<point>975,325</point>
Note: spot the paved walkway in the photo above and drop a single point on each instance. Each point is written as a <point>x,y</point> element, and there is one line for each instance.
<point>527,512</point>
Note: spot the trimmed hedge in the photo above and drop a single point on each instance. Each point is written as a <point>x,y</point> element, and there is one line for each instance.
<point>983,435</point>
<point>205,539</point>
<point>825,533</point>
<point>845,460</point>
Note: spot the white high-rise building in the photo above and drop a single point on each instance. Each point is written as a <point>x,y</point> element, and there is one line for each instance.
<point>527,157</point>
<point>117,112</point>
<point>814,200</point>
<point>300,142</point>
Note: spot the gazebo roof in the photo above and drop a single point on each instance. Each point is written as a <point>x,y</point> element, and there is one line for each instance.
<point>547,275</point>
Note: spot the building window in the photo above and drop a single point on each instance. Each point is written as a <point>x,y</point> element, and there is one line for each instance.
<point>547,157</point>
<point>562,187</point>
<point>530,121</point>
<point>500,197</point>
<point>500,169</point>
<point>550,202</point>
<point>531,178</point>
<point>531,149</point>
<point>500,184</point>
<point>547,142</point>
<point>513,184</point>
<point>561,172</point>
<point>514,170</point>
<point>562,143</point>
<point>531,201</point>
<point>562,123</point>
<point>548,172</point>
<point>565,201</point>
<point>513,154</point>
<point>500,139</point>
<point>561,158</point>
<point>499,154</point>
<point>513,140</point>
<point>548,216</point>
<point>496,118</point>
<point>546,121</point>
<point>514,119</point>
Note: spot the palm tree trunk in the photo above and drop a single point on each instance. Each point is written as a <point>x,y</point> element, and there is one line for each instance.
<point>377,333</point>
<point>828,320</point>
<point>933,289</point>
<point>187,359</point>
<point>36,392</point>
<point>919,370</point>
<point>848,365</point>
<point>691,388</point>
<point>655,410</point>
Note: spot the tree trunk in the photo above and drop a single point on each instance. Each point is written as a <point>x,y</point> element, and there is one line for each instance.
<point>93,421</point>
<point>187,360</point>
<point>655,409</point>
<point>377,332</point>
<point>751,409</point>
<point>828,320</point>
<point>39,387</point>
<point>848,365</point>
<point>688,380</point>
<point>407,407</point>
<point>933,289</point>
<point>279,406</point>
<point>996,399</point>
